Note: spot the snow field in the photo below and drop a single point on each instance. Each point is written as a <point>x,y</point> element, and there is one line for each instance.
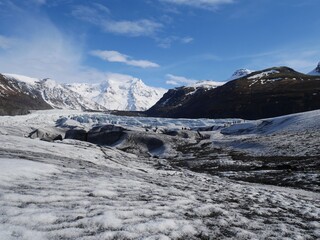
<point>90,198</point>
<point>76,190</point>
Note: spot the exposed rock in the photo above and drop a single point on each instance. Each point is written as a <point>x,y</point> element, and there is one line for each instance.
<point>46,134</point>
<point>16,98</point>
<point>77,134</point>
<point>106,135</point>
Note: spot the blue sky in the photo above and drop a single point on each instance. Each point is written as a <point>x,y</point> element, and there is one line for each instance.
<point>166,43</point>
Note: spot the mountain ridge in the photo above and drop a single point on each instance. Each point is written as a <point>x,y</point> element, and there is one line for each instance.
<point>266,93</point>
<point>131,95</point>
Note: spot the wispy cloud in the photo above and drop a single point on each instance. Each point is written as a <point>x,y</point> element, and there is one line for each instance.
<point>143,27</point>
<point>166,42</point>
<point>40,2</point>
<point>114,56</point>
<point>202,4</point>
<point>179,80</point>
<point>5,42</point>
<point>99,16</point>
<point>45,52</point>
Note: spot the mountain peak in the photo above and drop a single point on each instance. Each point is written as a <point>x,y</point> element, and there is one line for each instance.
<point>240,73</point>
<point>316,71</point>
<point>120,93</point>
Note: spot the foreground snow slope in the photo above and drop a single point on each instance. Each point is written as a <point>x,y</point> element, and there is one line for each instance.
<point>76,190</point>
<point>290,135</point>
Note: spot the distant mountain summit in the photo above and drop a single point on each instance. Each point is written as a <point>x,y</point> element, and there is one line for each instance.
<point>240,73</point>
<point>128,94</point>
<point>316,71</point>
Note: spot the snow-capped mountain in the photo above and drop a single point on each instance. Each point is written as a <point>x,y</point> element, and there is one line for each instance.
<point>18,97</point>
<point>128,94</point>
<point>59,96</point>
<point>266,93</point>
<point>206,84</point>
<point>316,71</point>
<point>240,73</point>
<point>54,94</point>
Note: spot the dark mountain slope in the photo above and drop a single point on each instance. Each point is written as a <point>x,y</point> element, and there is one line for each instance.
<point>262,94</point>
<point>17,98</point>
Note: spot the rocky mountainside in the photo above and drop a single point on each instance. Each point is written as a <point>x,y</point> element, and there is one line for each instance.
<point>61,97</point>
<point>261,94</point>
<point>17,97</point>
<point>55,95</point>
<point>174,98</point>
<point>128,94</point>
<point>20,94</point>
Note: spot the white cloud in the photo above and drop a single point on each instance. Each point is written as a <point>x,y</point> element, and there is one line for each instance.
<point>179,80</point>
<point>98,15</point>
<point>203,4</point>
<point>46,52</point>
<point>114,56</point>
<point>43,51</point>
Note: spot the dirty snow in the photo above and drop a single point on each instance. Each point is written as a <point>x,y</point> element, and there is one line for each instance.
<point>76,190</point>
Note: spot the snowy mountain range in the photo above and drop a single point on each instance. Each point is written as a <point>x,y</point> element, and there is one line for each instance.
<point>130,94</point>
<point>54,94</point>
<point>18,94</point>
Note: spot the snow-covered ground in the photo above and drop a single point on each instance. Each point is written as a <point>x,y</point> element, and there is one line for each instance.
<point>77,190</point>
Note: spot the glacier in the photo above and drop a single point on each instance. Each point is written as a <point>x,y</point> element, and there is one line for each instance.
<point>70,189</point>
